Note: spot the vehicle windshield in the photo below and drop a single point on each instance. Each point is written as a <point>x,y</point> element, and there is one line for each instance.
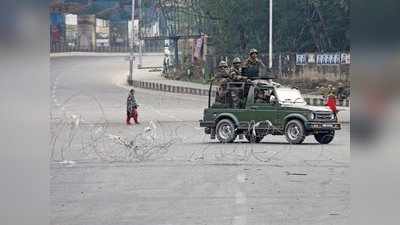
<point>289,96</point>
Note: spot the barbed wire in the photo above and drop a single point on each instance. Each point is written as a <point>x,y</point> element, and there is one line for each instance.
<point>73,135</point>
<point>71,131</point>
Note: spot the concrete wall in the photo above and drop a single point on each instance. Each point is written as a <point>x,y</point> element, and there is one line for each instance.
<point>316,72</point>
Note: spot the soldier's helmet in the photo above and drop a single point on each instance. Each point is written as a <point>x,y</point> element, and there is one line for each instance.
<point>236,60</point>
<point>253,50</point>
<point>222,64</point>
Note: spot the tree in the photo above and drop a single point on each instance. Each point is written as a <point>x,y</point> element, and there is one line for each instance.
<point>299,25</point>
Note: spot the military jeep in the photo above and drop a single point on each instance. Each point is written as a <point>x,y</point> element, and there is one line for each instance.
<point>282,111</point>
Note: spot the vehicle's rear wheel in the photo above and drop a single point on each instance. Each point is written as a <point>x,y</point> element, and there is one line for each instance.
<point>225,131</point>
<point>295,132</point>
<point>325,138</point>
<point>254,139</point>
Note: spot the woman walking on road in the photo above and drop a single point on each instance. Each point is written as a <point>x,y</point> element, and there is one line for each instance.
<point>131,108</point>
<point>331,103</point>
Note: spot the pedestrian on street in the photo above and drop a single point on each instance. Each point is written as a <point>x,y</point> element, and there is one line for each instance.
<point>331,103</point>
<point>132,106</point>
<point>166,64</point>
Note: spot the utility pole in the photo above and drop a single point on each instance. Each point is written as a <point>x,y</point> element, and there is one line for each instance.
<point>270,33</point>
<point>140,34</point>
<point>176,39</point>
<point>131,57</point>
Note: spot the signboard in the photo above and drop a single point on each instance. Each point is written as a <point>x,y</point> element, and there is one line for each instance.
<point>166,43</point>
<point>301,59</point>
<point>311,58</point>
<point>345,58</point>
<point>323,59</point>
<point>328,59</point>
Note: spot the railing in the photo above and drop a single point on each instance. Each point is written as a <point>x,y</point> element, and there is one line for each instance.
<point>149,47</point>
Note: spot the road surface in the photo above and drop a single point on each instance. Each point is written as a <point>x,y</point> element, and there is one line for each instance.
<point>165,171</point>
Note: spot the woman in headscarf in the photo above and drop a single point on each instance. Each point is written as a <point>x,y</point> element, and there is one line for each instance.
<point>132,106</point>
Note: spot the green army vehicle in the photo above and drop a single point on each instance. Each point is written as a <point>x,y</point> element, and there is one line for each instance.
<point>279,111</point>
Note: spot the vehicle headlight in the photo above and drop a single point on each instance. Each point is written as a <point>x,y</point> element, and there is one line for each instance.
<point>333,116</point>
<point>312,116</point>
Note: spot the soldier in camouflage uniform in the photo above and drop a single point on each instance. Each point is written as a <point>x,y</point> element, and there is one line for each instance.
<point>236,70</point>
<point>253,63</point>
<point>236,76</point>
<point>222,77</point>
<point>222,73</point>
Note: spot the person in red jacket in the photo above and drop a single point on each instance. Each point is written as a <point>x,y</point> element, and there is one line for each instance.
<point>331,103</point>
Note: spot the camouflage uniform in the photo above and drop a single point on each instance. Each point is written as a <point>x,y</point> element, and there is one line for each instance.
<point>236,76</point>
<point>222,77</point>
<point>236,70</point>
<point>253,64</point>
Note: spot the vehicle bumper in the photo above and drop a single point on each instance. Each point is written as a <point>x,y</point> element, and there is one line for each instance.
<point>206,123</point>
<point>322,126</point>
<point>208,128</point>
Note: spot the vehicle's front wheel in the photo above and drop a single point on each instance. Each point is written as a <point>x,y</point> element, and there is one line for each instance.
<point>325,138</point>
<point>295,132</point>
<point>225,131</point>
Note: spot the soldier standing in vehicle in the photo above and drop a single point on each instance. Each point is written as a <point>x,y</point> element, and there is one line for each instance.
<point>222,77</point>
<point>252,65</point>
<point>236,76</point>
<point>236,70</point>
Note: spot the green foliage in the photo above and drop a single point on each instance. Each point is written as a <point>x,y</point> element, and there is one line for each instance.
<point>299,25</point>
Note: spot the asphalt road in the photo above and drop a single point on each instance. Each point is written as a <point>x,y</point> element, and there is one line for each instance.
<point>165,171</point>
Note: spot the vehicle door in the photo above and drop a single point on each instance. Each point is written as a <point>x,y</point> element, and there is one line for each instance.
<point>264,109</point>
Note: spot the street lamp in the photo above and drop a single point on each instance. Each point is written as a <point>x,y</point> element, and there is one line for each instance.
<point>140,34</point>
<point>270,34</point>
<point>131,56</point>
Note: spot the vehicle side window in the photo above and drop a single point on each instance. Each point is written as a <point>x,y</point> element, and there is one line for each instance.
<point>264,96</point>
